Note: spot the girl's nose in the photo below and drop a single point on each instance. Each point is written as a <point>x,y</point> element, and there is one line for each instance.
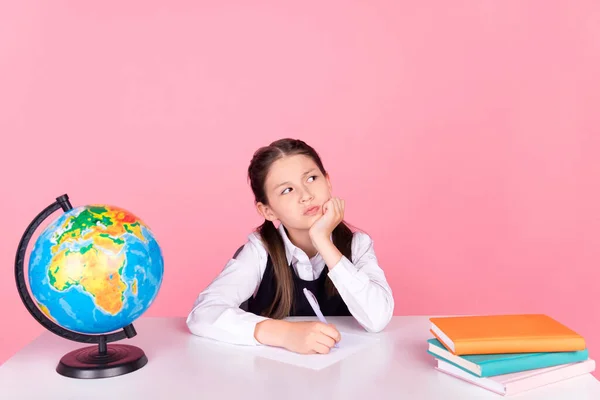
<point>306,196</point>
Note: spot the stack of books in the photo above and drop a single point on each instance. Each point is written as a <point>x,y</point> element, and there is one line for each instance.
<point>508,354</point>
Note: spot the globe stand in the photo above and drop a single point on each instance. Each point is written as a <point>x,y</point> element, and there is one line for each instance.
<point>102,361</point>
<point>91,362</point>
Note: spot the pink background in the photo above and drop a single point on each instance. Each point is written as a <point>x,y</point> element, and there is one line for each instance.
<point>463,135</point>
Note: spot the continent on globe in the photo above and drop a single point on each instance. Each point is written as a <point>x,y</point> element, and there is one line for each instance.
<point>104,226</point>
<point>100,275</point>
<point>110,222</point>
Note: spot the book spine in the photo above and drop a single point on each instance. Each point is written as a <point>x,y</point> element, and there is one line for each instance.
<point>519,345</point>
<point>502,367</point>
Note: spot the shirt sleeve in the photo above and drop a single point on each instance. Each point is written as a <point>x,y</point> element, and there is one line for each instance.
<point>216,313</point>
<point>363,286</point>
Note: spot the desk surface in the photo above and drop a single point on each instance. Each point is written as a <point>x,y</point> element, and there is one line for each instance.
<point>184,366</point>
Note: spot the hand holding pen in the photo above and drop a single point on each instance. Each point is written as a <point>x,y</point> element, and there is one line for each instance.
<point>304,337</point>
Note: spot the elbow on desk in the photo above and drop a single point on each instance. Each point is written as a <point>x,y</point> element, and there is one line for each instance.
<point>197,322</point>
<point>378,324</point>
<point>192,323</point>
<point>199,326</point>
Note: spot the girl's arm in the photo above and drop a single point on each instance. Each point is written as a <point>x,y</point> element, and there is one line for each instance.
<point>361,284</point>
<point>216,313</point>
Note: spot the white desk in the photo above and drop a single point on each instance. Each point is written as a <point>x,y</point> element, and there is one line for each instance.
<point>182,366</point>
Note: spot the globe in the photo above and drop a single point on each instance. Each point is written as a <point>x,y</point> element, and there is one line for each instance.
<point>95,269</point>
<point>92,272</point>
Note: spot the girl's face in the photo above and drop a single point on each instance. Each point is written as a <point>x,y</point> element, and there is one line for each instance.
<point>296,191</point>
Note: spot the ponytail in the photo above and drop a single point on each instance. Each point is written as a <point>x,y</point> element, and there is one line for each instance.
<point>284,292</point>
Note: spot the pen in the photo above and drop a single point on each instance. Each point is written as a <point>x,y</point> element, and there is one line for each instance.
<point>312,300</point>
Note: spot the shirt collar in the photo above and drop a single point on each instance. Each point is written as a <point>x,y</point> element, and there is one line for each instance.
<point>291,251</point>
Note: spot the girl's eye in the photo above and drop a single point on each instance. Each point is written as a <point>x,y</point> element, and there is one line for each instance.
<point>286,190</point>
<point>312,177</point>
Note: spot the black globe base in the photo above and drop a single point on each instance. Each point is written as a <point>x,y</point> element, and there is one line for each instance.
<point>90,363</point>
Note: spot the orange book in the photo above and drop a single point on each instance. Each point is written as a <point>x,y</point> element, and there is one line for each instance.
<point>497,334</point>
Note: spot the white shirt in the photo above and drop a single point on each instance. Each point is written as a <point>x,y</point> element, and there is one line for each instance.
<point>361,283</point>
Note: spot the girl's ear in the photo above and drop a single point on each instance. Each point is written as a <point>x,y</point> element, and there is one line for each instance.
<point>266,212</point>
<point>328,181</point>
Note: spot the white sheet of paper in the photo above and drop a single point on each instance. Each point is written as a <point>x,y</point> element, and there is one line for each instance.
<point>350,344</point>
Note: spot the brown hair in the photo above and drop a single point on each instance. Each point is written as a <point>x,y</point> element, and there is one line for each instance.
<point>342,235</point>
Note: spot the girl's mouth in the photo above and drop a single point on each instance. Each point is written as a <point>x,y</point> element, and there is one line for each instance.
<point>312,210</point>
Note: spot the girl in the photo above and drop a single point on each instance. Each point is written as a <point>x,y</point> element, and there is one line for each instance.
<point>312,248</point>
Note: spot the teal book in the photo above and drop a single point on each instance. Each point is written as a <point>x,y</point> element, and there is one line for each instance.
<point>484,365</point>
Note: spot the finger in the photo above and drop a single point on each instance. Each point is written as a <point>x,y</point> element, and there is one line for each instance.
<point>326,205</point>
<point>343,206</point>
<point>334,204</point>
<point>339,207</point>
<point>326,340</point>
<point>330,331</point>
<point>330,207</point>
<point>321,348</point>
<point>339,335</point>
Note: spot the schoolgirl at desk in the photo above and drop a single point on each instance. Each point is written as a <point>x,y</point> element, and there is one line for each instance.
<point>311,248</point>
